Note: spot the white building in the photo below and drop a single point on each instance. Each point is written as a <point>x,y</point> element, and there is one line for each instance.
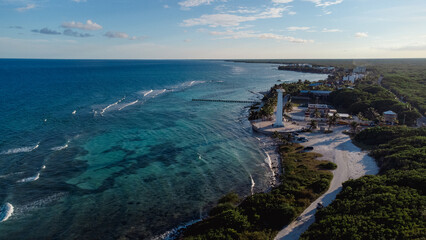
<point>360,70</point>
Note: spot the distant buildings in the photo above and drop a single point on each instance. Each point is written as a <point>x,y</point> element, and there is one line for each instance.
<point>360,70</point>
<point>353,77</point>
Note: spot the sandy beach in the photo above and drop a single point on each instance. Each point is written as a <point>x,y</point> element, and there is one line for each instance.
<point>352,163</point>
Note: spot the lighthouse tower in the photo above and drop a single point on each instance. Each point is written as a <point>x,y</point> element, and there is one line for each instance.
<point>279,113</point>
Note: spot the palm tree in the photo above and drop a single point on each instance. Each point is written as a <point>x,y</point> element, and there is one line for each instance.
<point>288,107</point>
<point>313,124</point>
<point>317,113</point>
<point>332,120</point>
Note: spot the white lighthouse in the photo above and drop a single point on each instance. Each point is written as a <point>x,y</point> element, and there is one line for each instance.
<point>279,113</point>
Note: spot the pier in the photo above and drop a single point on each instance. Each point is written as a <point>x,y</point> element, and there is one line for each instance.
<point>223,100</point>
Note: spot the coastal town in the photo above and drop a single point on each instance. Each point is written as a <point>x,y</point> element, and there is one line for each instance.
<point>310,108</point>
<point>317,127</point>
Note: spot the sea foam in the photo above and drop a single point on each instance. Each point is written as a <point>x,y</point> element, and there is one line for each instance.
<point>6,211</point>
<point>31,179</point>
<point>172,234</point>
<point>20,150</point>
<point>111,105</point>
<point>128,104</point>
<point>59,148</point>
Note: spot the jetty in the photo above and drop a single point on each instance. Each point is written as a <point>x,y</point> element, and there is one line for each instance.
<point>223,100</point>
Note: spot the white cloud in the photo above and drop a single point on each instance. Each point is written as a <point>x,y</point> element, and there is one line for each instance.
<point>89,25</point>
<point>321,3</point>
<point>122,35</point>
<point>298,28</point>
<point>331,30</point>
<point>79,1</point>
<point>231,20</point>
<point>196,3</point>
<point>166,6</point>
<point>26,8</point>
<point>361,35</point>
<point>116,35</point>
<point>282,1</point>
<point>251,34</point>
<point>286,38</point>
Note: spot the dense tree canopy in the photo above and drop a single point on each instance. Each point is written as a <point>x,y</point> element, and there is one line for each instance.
<point>390,205</point>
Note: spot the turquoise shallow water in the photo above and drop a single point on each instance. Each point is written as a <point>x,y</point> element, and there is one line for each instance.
<point>110,149</point>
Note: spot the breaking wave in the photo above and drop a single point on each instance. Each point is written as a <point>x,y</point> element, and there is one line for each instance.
<point>20,150</point>
<point>59,148</point>
<point>6,211</point>
<point>111,105</point>
<point>172,234</point>
<point>31,179</point>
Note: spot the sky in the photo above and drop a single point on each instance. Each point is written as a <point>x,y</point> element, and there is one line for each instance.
<point>212,29</point>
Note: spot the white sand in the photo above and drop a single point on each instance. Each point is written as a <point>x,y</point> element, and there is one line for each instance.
<point>351,163</point>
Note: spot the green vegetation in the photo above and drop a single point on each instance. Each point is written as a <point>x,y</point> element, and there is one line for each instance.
<point>390,205</point>
<point>270,99</point>
<point>407,79</point>
<point>371,101</point>
<point>261,215</point>
<point>404,77</point>
<point>329,166</point>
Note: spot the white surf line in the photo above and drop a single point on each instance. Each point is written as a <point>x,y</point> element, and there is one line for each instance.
<point>30,179</point>
<point>59,148</point>
<point>128,104</point>
<point>113,104</point>
<point>6,211</point>
<point>147,93</point>
<point>252,184</point>
<point>269,162</point>
<point>21,150</point>
<point>172,234</point>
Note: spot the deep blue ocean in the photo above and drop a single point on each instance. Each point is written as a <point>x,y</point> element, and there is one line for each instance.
<point>97,149</point>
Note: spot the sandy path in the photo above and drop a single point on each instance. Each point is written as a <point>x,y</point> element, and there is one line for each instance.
<point>352,163</point>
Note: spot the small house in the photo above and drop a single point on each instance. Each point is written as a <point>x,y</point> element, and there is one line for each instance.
<point>390,117</point>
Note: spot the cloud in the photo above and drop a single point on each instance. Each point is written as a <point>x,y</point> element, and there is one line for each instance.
<point>187,40</point>
<point>325,4</point>
<point>196,3</point>
<point>251,34</point>
<point>71,33</point>
<point>26,8</point>
<point>16,27</point>
<point>89,25</point>
<point>166,6</point>
<point>231,20</point>
<point>121,35</point>
<point>282,1</point>
<point>46,31</point>
<point>286,38</point>
<point>116,35</point>
<point>321,3</point>
<point>331,30</point>
<point>298,28</point>
<point>78,1</point>
<point>361,35</point>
